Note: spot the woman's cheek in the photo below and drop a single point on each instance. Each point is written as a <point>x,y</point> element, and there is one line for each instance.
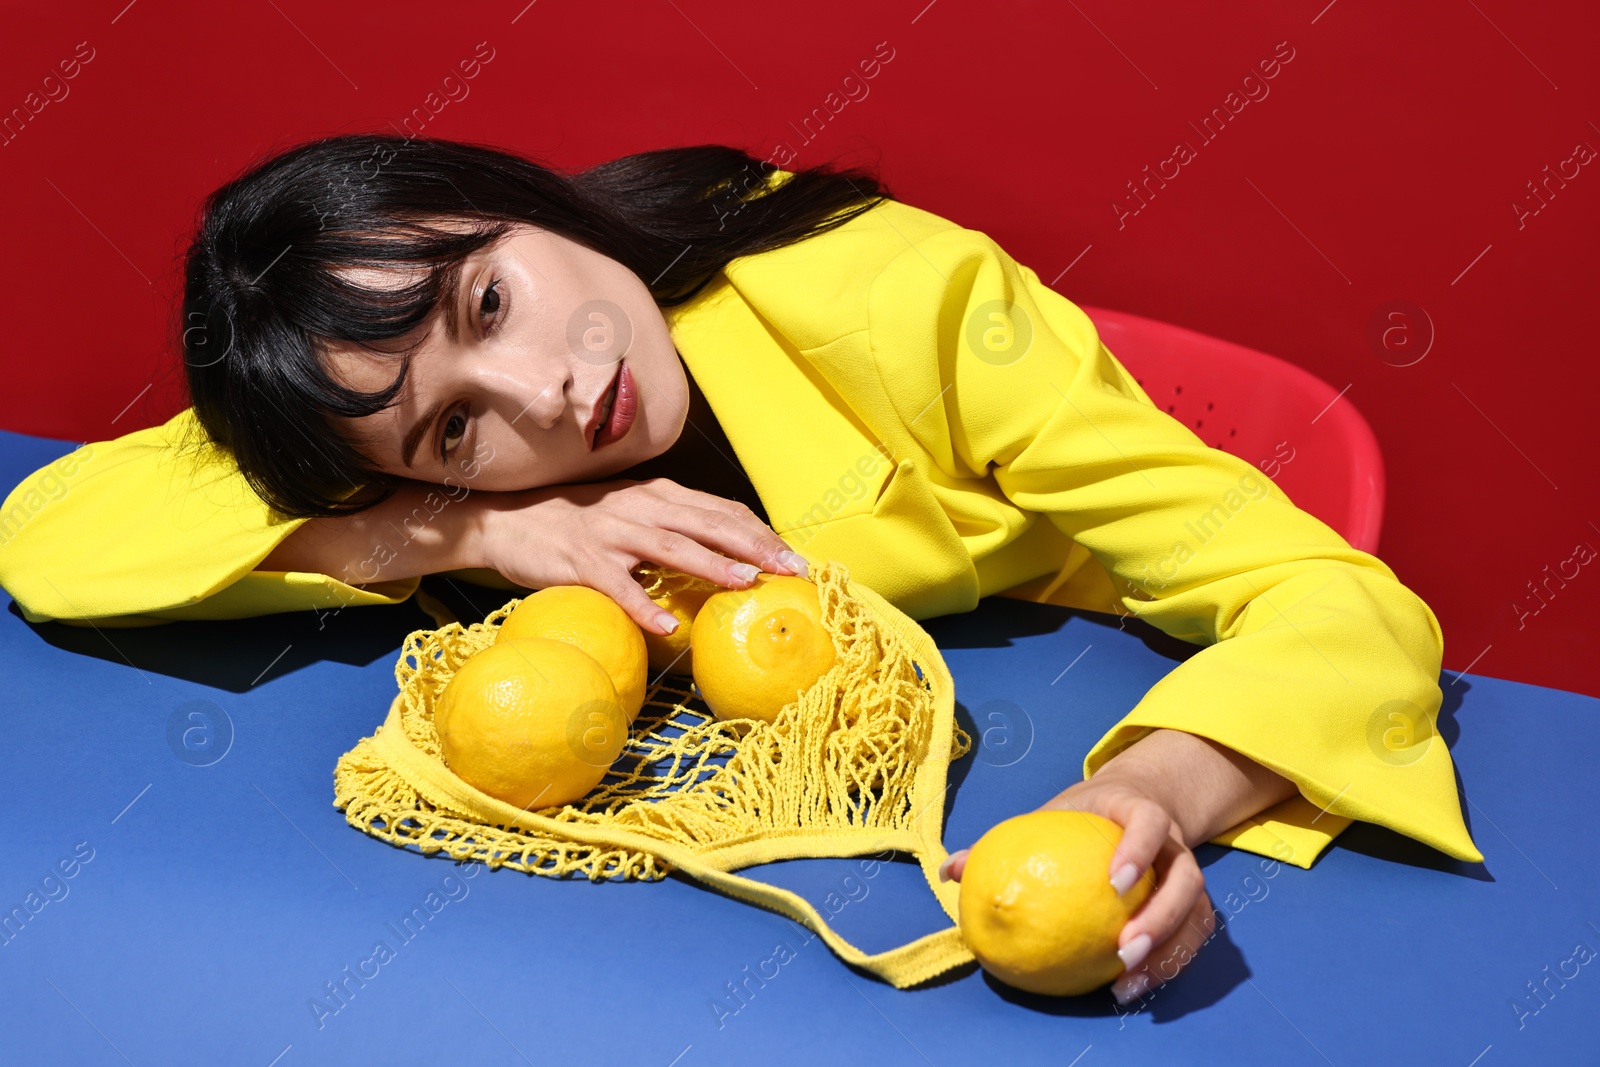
<point>482,455</point>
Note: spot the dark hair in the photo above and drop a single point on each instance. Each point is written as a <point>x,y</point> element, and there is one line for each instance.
<point>262,289</point>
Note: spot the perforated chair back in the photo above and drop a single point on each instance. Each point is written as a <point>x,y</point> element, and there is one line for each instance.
<point>1296,428</point>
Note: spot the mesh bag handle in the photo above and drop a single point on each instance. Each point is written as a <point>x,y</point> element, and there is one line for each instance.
<point>856,765</point>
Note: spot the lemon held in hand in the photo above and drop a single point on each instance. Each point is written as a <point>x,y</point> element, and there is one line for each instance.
<point>1037,907</point>
<point>531,721</point>
<point>757,649</point>
<point>595,623</point>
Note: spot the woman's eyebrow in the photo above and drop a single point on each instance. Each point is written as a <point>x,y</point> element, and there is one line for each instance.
<point>457,283</point>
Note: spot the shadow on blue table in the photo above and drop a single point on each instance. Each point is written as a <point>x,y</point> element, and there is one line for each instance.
<point>236,655</point>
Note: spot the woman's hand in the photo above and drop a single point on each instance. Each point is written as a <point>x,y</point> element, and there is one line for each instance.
<point>1176,919</point>
<point>594,533</point>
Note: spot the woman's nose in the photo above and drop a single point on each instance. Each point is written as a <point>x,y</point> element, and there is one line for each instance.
<point>544,410</point>
<point>541,395</point>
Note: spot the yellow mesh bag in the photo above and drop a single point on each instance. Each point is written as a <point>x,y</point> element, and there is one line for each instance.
<point>856,765</point>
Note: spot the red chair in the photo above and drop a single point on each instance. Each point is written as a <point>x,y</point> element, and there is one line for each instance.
<point>1292,425</point>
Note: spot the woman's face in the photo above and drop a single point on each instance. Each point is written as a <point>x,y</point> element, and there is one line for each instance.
<point>547,335</point>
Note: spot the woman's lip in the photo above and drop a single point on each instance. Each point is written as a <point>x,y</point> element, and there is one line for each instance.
<point>594,426</point>
<point>623,409</point>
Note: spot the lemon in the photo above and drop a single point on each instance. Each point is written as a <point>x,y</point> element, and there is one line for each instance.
<point>757,649</point>
<point>595,623</point>
<point>531,721</point>
<point>670,652</point>
<point>1037,908</point>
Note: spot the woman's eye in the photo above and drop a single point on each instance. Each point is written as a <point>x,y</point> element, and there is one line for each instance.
<point>491,300</point>
<point>449,440</point>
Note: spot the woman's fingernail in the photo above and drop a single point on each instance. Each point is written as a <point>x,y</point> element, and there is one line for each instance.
<point>1131,988</point>
<point>794,561</point>
<point>1134,952</point>
<point>745,572</point>
<point>1123,880</point>
<point>667,621</point>
<point>949,863</point>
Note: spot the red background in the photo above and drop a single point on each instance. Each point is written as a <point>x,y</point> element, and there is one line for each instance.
<point>1382,166</point>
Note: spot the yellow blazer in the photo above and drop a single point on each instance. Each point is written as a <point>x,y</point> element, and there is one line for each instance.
<point>909,400</point>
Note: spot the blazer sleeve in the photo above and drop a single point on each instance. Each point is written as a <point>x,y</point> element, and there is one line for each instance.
<point>1317,662</point>
<point>152,527</point>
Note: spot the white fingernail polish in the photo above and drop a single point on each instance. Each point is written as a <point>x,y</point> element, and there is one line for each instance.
<point>1133,953</point>
<point>667,621</point>
<point>794,561</point>
<point>745,572</point>
<point>1123,880</point>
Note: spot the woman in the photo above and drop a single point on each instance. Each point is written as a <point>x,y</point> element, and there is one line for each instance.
<point>410,357</point>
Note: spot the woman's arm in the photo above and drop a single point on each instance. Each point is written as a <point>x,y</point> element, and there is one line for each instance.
<point>153,527</point>
<point>1311,649</point>
<point>419,530</point>
<point>590,534</point>
<point>1206,786</point>
<point>1313,652</point>
<point>147,529</point>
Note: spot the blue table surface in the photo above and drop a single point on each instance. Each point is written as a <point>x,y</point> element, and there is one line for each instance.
<point>216,892</point>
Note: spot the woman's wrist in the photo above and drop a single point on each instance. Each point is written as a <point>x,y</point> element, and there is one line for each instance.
<point>1206,787</point>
